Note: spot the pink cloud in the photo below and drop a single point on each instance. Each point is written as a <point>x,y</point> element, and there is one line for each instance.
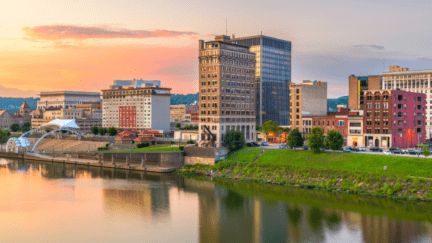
<point>59,32</point>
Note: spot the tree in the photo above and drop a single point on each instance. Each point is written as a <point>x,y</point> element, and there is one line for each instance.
<point>3,136</point>
<point>102,131</point>
<point>426,151</point>
<point>271,126</point>
<point>334,140</point>
<point>26,127</point>
<point>178,125</point>
<point>295,139</point>
<point>234,140</point>
<point>15,127</point>
<point>258,128</point>
<point>112,131</point>
<point>95,130</point>
<point>316,139</point>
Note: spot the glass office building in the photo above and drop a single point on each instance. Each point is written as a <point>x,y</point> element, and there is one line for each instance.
<point>273,77</point>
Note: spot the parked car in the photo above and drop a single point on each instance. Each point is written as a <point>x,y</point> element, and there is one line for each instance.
<point>353,149</point>
<point>361,148</point>
<point>387,152</point>
<point>413,152</point>
<point>375,149</point>
<point>254,144</point>
<point>283,146</point>
<point>264,144</point>
<point>395,150</point>
<point>306,147</point>
<point>347,149</point>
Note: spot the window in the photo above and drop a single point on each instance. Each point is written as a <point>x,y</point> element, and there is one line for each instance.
<point>341,123</point>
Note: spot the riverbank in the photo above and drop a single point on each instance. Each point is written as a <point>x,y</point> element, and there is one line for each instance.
<point>405,177</point>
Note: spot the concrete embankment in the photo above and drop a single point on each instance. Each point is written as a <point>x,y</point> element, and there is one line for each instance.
<point>153,162</point>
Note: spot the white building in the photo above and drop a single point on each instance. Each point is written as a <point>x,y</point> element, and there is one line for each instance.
<point>65,99</point>
<point>137,108</point>
<point>418,81</point>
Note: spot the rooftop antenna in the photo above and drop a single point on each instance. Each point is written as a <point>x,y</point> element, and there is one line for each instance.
<point>226,26</point>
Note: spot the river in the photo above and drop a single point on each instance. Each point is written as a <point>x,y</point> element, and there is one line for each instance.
<point>46,202</point>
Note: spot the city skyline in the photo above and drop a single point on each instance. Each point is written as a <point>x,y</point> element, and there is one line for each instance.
<point>58,45</point>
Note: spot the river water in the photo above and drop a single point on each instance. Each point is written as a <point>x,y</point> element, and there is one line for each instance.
<point>45,202</point>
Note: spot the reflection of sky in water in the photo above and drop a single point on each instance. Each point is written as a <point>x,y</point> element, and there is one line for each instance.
<point>42,202</point>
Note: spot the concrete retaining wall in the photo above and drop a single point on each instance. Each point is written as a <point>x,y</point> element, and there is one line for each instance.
<point>188,160</point>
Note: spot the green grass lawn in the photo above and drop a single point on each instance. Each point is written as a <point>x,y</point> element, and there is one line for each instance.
<point>397,166</point>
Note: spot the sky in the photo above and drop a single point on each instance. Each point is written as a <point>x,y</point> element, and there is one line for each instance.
<point>85,45</point>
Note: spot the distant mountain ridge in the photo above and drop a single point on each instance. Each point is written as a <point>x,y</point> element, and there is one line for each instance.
<point>13,104</point>
<point>333,103</point>
<point>179,99</point>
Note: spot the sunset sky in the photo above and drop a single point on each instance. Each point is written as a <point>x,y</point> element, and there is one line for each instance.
<point>85,45</point>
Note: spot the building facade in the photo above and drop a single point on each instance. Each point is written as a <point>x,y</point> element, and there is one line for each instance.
<point>272,76</point>
<point>307,98</point>
<point>394,118</point>
<point>418,81</point>
<point>137,108</point>
<point>334,121</point>
<point>6,119</point>
<point>357,85</point>
<point>65,99</point>
<point>178,113</point>
<point>355,131</point>
<point>135,83</point>
<point>226,90</point>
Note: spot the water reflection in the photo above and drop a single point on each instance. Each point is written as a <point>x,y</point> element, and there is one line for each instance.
<point>107,205</point>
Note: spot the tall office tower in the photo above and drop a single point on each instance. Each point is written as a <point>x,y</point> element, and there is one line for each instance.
<point>226,90</point>
<point>357,85</point>
<point>307,98</point>
<point>418,81</point>
<point>272,75</point>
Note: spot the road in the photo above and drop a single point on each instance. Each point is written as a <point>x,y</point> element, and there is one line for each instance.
<point>277,146</point>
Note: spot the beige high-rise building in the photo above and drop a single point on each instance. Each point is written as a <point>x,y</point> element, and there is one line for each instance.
<point>226,91</point>
<point>418,81</point>
<point>307,98</point>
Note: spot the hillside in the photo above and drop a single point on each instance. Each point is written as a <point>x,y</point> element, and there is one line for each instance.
<point>332,103</point>
<point>13,104</point>
<point>179,99</point>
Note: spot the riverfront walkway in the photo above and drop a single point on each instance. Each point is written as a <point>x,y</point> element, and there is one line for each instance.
<point>75,161</point>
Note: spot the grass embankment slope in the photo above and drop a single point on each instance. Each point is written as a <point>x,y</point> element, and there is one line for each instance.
<point>354,173</point>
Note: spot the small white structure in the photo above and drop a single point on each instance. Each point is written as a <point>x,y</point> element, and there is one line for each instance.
<point>17,144</point>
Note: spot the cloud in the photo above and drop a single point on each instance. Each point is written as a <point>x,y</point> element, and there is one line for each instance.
<point>60,32</point>
<point>376,47</point>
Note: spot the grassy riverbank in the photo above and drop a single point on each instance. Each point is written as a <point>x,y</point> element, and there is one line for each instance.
<point>353,173</point>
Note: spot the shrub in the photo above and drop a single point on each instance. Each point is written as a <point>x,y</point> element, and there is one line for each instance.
<point>248,144</point>
<point>190,142</point>
<point>107,145</point>
<point>143,145</point>
<point>102,149</point>
<point>181,148</point>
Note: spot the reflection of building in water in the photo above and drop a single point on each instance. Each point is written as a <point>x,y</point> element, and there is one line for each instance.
<point>152,201</point>
<point>381,229</point>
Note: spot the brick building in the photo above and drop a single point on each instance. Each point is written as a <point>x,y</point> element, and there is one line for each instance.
<point>334,121</point>
<point>394,118</point>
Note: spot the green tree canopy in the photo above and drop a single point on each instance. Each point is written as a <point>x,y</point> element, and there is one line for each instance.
<point>334,140</point>
<point>112,131</point>
<point>102,131</point>
<point>3,136</point>
<point>295,139</point>
<point>316,139</point>
<point>26,127</point>
<point>271,126</point>
<point>178,125</point>
<point>15,127</point>
<point>95,130</point>
<point>234,140</point>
